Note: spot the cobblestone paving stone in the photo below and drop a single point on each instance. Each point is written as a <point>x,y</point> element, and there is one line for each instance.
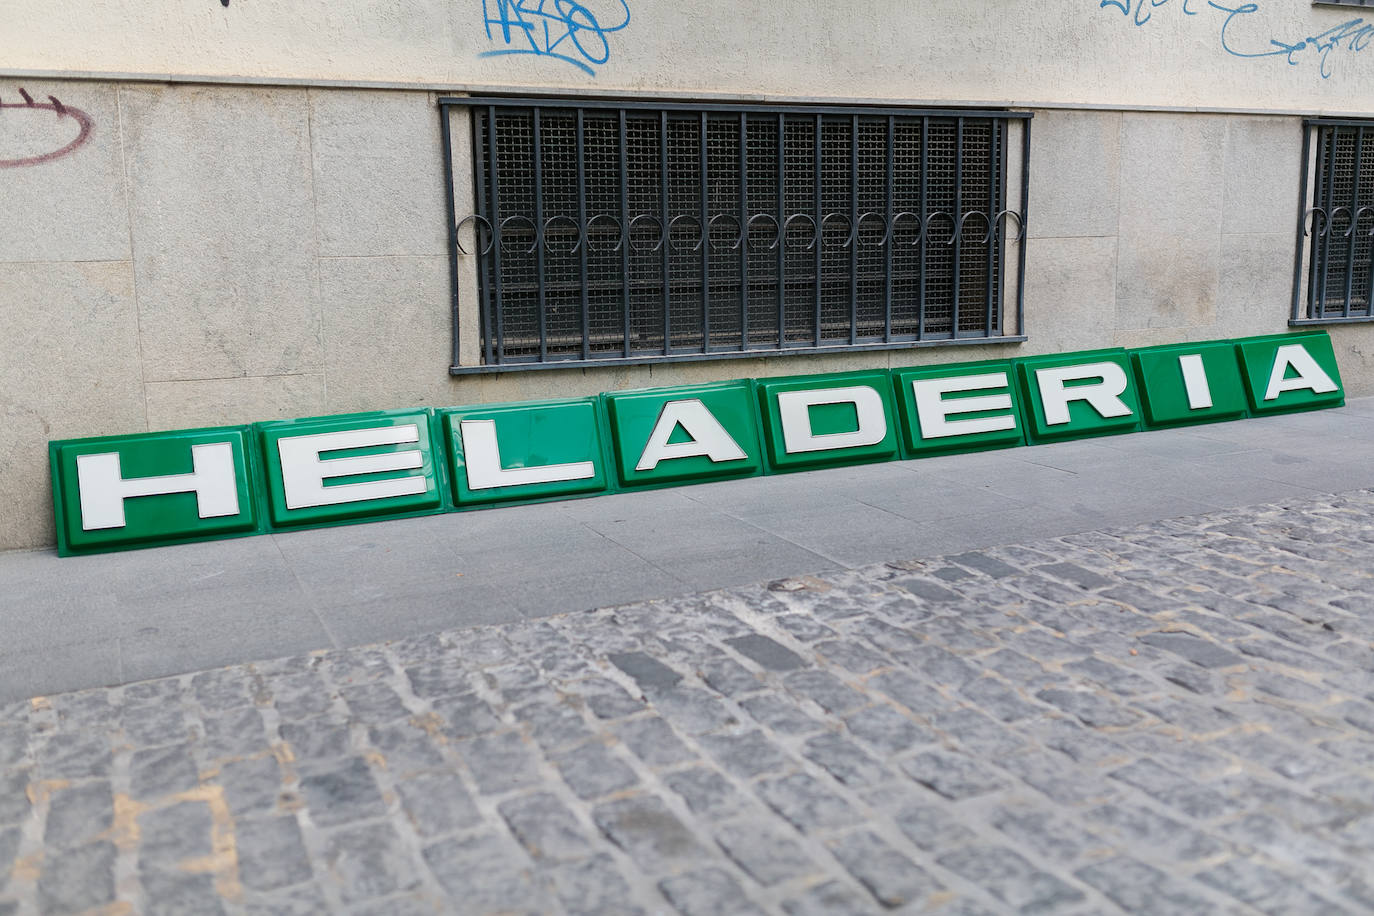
<point>1171,718</point>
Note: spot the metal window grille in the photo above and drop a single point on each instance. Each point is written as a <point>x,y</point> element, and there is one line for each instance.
<point>634,233</point>
<point>1335,250</point>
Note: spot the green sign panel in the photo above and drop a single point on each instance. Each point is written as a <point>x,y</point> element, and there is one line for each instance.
<point>334,469</point>
<point>1074,395</point>
<point>672,435</point>
<point>120,492</point>
<point>818,420</point>
<point>1287,372</point>
<point>962,407</point>
<point>1189,383</point>
<point>525,451</point>
<point>144,490</point>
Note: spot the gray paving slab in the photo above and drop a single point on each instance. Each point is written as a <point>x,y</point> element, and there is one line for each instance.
<point>706,548</point>
<point>1175,716</point>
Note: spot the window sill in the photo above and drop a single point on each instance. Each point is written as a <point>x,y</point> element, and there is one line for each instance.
<point>727,354</point>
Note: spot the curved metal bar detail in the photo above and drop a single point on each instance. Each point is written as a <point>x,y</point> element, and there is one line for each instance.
<point>777,230</point>
<point>534,227</point>
<point>859,225</point>
<point>1326,222</point>
<point>1349,232</point>
<point>548,223</point>
<point>476,236</point>
<point>1020,224</point>
<point>1358,213</point>
<point>587,231</point>
<point>739,229</point>
<point>701,235</point>
<point>953,226</point>
<point>849,222</point>
<point>815,234</point>
<point>987,235</point>
<point>661,234</point>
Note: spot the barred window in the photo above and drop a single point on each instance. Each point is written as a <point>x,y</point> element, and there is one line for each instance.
<point>634,233</point>
<point>1336,233</point>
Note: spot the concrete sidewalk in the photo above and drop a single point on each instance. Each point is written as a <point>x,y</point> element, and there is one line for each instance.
<point>118,618</point>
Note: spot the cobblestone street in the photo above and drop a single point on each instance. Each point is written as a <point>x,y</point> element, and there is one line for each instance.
<point>1171,718</point>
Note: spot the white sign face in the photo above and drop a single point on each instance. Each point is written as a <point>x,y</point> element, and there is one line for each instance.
<point>304,469</point>
<point>794,412</point>
<point>1310,375</point>
<point>482,456</point>
<point>213,479</point>
<point>707,437</point>
<point>1103,395</point>
<point>933,411</point>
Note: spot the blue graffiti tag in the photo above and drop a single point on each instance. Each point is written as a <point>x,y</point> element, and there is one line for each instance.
<point>1353,35</point>
<point>563,29</point>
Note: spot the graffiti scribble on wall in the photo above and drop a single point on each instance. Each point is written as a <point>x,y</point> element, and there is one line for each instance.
<point>563,29</point>
<point>28,108</point>
<point>1239,33</point>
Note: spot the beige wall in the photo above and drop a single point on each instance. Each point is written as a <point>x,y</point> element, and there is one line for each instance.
<point>215,255</point>
<point>1121,52</point>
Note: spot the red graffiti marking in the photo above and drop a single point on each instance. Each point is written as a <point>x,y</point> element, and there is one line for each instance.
<point>82,119</point>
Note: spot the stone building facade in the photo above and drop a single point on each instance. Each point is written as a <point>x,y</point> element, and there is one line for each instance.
<point>213,212</point>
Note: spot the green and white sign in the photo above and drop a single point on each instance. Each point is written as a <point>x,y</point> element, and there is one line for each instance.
<point>1074,395</point>
<point>122,492</point>
<point>818,420</point>
<point>333,469</point>
<point>673,435</point>
<point>539,450</point>
<point>963,407</point>
<point>144,490</point>
<point>1286,372</point>
<point>1189,383</point>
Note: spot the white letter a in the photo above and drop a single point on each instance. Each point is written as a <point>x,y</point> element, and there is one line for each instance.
<point>707,436</point>
<point>1310,375</point>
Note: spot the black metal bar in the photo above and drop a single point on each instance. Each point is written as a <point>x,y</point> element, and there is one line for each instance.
<point>539,237</point>
<point>924,237</point>
<point>498,305</point>
<point>887,248</point>
<point>1354,216</point>
<point>554,101</point>
<point>958,237</point>
<point>994,173</point>
<point>1303,187</point>
<point>584,233</point>
<point>782,242</point>
<point>531,365</point>
<point>744,230</point>
<point>452,209</point>
<point>1025,231</point>
<point>624,232</point>
<point>1330,199</point>
<point>703,164</point>
<point>663,234</point>
<point>820,226</point>
<point>1314,253</point>
<point>854,229</point>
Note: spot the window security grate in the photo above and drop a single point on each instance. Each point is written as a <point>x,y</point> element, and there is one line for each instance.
<point>633,233</point>
<point>1336,230</point>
